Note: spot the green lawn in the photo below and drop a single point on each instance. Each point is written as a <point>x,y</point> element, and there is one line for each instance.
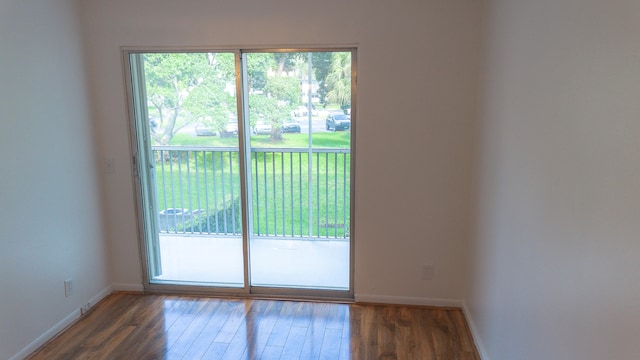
<point>339,139</point>
<point>209,179</point>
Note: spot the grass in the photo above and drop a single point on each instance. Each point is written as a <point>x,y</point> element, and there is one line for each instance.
<point>333,140</point>
<point>291,198</point>
<point>284,199</point>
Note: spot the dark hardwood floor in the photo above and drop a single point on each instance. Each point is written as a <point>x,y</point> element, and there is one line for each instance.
<point>135,326</point>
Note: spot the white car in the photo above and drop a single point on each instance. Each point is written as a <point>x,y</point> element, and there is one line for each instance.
<point>230,129</point>
<point>262,128</point>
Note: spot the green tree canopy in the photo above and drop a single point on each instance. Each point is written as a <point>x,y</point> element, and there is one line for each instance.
<point>258,66</point>
<point>285,89</point>
<point>213,102</point>
<point>339,79</point>
<point>186,87</point>
<point>321,69</point>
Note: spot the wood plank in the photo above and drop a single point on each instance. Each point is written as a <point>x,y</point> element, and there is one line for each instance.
<point>171,322</point>
<point>330,349</point>
<point>136,326</point>
<point>150,324</point>
<point>261,323</point>
<point>295,341</point>
<point>386,333</point>
<point>271,353</point>
<point>215,351</point>
<point>203,340</point>
<point>303,315</point>
<point>283,324</point>
<point>345,340</point>
<point>370,328</point>
<point>190,334</point>
<point>356,345</point>
<point>236,326</point>
<point>409,339</point>
<point>315,333</point>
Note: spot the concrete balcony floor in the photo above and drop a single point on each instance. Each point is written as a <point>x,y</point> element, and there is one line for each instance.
<point>218,261</point>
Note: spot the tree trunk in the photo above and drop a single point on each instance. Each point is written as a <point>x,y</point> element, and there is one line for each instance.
<point>276,134</point>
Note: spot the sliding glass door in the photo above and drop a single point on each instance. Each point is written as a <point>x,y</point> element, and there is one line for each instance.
<point>191,187</point>
<point>244,169</point>
<point>299,169</point>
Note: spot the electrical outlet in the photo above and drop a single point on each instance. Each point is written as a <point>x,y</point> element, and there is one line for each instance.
<point>85,308</point>
<point>427,272</point>
<point>68,287</point>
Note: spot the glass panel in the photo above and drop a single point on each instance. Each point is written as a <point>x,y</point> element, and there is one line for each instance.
<point>194,158</point>
<point>299,115</point>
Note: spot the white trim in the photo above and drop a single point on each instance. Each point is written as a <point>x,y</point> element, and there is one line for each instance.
<point>57,328</point>
<point>127,287</point>
<point>405,300</point>
<point>474,332</point>
<point>101,295</point>
<point>244,48</point>
<point>46,336</point>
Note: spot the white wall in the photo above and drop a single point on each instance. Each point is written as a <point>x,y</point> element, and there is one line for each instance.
<point>50,218</point>
<point>556,257</point>
<point>416,83</point>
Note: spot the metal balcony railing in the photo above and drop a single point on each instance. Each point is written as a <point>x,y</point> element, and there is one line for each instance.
<point>295,192</point>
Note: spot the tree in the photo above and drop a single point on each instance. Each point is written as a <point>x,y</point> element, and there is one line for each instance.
<point>321,68</point>
<point>270,111</point>
<point>286,61</point>
<point>273,93</point>
<point>213,102</point>
<point>281,95</point>
<point>258,66</point>
<point>186,87</point>
<point>285,89</point>
<point>286,92</point>
<point>339,79</point>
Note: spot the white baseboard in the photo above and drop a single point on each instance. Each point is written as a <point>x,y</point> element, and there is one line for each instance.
<point>46,336</point>
<point>101,295</point>
<point>405,300</point>
<point>474,332</point>
<point>127,287</point>
<point>55,329</point>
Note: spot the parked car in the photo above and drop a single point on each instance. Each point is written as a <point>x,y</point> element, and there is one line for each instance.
<point>290,126</point>
<point>262,128</point>
<point>303,111</point>
<point>338,121</point>
<point>230,129</point>
<point>205,130</point>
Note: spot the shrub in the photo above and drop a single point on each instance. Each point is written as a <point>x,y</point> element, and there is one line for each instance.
<point>225,220</point>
